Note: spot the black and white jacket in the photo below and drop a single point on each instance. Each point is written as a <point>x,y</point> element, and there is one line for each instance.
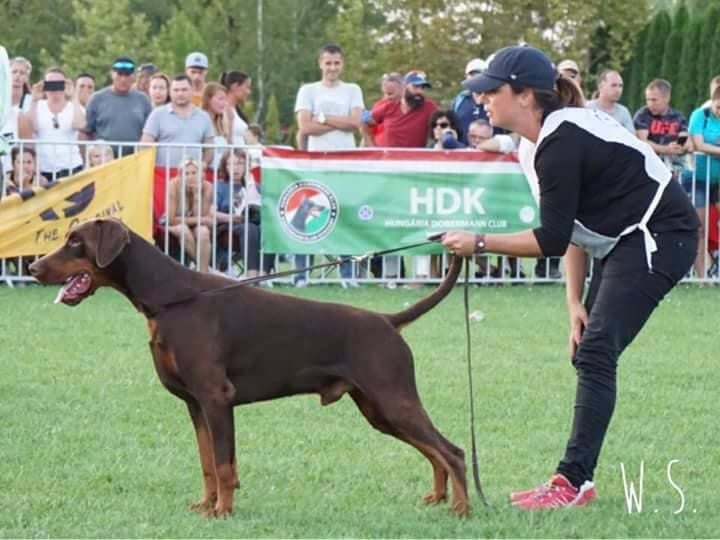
<point>596,182</point>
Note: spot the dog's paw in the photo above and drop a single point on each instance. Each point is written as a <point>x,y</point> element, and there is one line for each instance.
<point>434,498</point>
<point>461,508</point>
<point>204,504</point>
<point>218,512</point>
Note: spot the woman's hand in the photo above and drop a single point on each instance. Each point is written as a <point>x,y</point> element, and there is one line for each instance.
<point>37,92</point>
<point>460,243</point>
<point>578,321</point>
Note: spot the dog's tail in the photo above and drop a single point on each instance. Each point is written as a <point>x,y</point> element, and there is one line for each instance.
<point>398,320</point>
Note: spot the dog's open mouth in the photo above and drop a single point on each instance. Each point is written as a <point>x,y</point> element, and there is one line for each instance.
<point>75,289</point>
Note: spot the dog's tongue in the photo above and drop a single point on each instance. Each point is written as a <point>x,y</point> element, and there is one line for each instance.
<point>75,286</point>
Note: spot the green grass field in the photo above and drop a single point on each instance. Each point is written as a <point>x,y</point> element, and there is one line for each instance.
<point>92,446</point>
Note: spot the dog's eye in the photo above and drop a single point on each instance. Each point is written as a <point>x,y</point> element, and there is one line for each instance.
<point>73,242</point>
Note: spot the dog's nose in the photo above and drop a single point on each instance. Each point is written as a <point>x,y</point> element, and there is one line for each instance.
<point>33,269</point>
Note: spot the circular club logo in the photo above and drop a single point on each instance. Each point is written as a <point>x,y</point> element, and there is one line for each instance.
<point>366,212</point>
<point>308,210</point>
<point>527,214</point>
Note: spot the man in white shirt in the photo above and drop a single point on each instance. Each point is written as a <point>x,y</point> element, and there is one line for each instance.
<point>610,89</point>
<point>328,113</point>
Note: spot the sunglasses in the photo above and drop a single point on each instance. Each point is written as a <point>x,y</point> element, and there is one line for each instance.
<point>55,122</point>
<point>441,124</point>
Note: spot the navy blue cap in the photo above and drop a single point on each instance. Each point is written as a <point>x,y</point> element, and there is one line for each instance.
<point>124,65</point>
<point>522,66</point>
<point>417,78</point>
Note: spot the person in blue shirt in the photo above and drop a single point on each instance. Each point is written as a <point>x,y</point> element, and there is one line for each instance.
<point>237,211</point>
<point>466,105</point>
<point>702,184</point>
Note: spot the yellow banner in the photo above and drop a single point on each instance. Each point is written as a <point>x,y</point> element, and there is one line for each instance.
<point>35,221</point>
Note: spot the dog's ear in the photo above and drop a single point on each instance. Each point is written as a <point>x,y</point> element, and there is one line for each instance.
<point>112,237</point>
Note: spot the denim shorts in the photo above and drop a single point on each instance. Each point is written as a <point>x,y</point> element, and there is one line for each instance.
<point>700,195</point>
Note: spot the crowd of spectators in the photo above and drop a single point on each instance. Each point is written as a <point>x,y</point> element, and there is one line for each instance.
<point>143,105</point>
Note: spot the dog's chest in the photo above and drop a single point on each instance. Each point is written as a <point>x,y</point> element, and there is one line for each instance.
<point>164,359</point>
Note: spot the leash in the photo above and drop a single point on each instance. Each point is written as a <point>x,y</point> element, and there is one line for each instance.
<point>336,262</point>
<point>475,466</point>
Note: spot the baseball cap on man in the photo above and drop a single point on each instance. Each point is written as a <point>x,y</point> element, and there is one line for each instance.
<point>124,65</point>
<point>521,66</point>
<point>417,78</point>
<point>196,60</point>
<point>150,69</point>
<point>476,65</point>
<point>568,64</point>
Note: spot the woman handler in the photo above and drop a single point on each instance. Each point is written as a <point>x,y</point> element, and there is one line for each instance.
<point>602,193</point>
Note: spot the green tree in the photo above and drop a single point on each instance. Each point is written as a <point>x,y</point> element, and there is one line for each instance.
<point>174,41</point>
<point>655,46</point>
<point>30,27</point>
<point>686,94</point>
<point>715,54</point>
<point>711,21</point>
<point>106,29</point>
<point>634,80</point>
<point>272,122</point>
<point>673,49</point>
<point>599,55</point>
<point>250,110</point>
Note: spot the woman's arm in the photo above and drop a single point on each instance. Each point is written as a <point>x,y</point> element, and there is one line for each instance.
<point>79,121</point>
<point>701,146</point>
<point>206,213</point>
<point>520,244</point>
<point>575,271</point>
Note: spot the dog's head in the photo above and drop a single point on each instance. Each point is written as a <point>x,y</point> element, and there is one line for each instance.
<point>81,263</point>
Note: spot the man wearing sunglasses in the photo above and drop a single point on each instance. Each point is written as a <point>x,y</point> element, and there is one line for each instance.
<point>407,121</point>
<point>467,105</point>
<point>118,112</point>
<point>406,125</point>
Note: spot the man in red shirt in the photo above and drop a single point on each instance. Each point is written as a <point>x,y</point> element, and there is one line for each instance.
<point>406,122</point>
<point>392,88</point>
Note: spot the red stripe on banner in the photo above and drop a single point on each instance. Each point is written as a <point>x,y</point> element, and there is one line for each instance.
<point>394,154</point>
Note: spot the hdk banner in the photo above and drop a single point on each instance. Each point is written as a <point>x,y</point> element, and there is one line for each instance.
<point>35,221</point>
<point>368,200</point>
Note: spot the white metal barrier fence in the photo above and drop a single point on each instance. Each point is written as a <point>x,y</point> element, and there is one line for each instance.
<point>219,227</point>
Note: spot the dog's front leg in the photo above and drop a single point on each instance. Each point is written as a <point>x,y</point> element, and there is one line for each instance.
<point>207,459</point>
<point>220,421</point>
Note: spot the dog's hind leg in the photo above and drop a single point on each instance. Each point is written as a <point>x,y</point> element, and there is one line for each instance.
<point>207,461</point>
<point>233,457</point>
<point>410,422</point>
<point>379,422</point>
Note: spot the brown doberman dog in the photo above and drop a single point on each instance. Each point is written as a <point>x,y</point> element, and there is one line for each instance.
<point>215,347</point>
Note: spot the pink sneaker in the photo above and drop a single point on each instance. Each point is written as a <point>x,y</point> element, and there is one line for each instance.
<point>558,492</point>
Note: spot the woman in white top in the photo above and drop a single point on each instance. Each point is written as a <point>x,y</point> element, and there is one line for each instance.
<point>239,87</point>
<point>55,119</point>
<point>214,102</point>
<point>16,125</point>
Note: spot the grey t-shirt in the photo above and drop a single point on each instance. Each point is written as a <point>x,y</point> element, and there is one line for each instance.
<point>619,113</point>
<point>166,126</point>
<point>117,117</point>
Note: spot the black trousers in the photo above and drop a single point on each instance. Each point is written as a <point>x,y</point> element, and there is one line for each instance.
<point>622,295</point>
